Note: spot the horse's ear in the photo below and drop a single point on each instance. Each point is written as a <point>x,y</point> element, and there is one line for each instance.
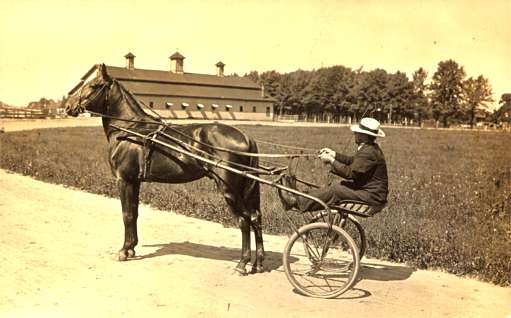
<point>103,73</point>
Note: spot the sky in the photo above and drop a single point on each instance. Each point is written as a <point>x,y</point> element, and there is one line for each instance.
<point>46,46</point>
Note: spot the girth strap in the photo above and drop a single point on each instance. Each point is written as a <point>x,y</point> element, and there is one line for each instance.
<point>147,151</point>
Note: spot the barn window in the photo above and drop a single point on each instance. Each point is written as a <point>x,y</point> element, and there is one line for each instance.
<point>241,108</point>
<point>151,104</point>
<point>214,106</point>
<point>168,105</point>
<point>200,106</point>
<point>268,111</point>
<point>184,105</point>
<point>228,107</point>
<point>254,109</point>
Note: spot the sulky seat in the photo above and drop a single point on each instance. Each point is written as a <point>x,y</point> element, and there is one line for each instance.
<point>358,208</point>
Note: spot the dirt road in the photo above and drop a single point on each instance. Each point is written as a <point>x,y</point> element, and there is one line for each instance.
<point>58,259</point>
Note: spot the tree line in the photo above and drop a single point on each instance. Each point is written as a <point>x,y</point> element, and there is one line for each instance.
<point>344,94</point>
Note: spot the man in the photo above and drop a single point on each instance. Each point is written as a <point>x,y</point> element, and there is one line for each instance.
<point>365,173</point>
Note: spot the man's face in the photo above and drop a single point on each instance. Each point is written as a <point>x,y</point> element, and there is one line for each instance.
<point>359,138</point>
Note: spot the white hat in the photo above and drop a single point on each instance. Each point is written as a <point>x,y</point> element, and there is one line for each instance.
<point>368,126</point>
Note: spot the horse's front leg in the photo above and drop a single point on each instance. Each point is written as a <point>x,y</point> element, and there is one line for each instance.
<point>129,193</point>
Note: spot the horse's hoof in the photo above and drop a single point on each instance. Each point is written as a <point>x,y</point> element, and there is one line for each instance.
<point>257,269</point>
<point>131,253</point>
<point>240,271</point>
<point>123,256</point>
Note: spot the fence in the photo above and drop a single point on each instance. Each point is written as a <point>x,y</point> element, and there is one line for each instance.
<point>28,113</point>
<point>317,118</point>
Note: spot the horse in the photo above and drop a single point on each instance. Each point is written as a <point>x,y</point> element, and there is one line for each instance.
<point>132,160</point>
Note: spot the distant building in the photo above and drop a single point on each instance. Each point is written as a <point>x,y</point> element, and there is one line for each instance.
<point>176,94</point>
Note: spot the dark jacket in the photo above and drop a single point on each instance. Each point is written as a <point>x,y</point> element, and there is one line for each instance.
<point>367,172</point>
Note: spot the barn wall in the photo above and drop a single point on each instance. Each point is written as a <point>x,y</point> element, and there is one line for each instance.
<point>159,104</point>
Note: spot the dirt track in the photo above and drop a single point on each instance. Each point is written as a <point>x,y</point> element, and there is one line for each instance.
<point>59,260</point>
<point>59,249</point>
<point>15,124</point>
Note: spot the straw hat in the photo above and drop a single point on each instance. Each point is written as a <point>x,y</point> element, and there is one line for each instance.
<point>368,126</point>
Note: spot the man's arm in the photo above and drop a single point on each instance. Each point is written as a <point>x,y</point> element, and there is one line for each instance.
<point>347,160</point>
<point>358,165</point>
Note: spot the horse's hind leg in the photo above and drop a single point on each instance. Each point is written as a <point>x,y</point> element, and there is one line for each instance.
<point>256,222</point>
<point>129,193</point>
<point>244,225</point>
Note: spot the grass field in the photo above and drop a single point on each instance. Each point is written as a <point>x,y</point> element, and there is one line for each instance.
<point>449,203</point>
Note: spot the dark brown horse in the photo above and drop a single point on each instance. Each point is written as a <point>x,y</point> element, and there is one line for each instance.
<point>133,160</point>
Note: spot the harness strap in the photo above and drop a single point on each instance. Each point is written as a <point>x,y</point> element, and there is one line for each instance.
<point>261,170</point>
<point>240,153</point>
<point>148,151</point>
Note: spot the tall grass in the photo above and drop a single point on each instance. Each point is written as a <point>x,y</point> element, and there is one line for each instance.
<point>449,201</point>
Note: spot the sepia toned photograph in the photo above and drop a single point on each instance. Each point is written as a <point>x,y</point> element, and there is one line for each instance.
<point>255,158</point>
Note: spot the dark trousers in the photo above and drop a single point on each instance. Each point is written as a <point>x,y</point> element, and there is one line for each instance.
<point>331,195</point>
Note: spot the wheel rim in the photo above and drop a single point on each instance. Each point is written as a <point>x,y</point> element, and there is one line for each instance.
<point>330,265</point>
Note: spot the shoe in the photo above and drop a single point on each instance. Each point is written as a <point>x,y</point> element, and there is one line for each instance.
<point>287,198</point>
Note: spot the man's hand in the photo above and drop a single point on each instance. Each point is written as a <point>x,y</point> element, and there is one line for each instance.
<point>329,151</point>
<point>327,157</point>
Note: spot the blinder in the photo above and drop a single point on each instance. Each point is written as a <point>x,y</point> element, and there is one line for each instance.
<point>84,103</point>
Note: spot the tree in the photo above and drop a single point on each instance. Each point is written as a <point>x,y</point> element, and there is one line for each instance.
<point>447,91</point>
<point>371,93</point>
<point>419,98</point>
<point>477,95</point>
<point>271,81</point>
<point>327,91</point>
<point>503,114</point>
<point>254,76</point>
<point>399,94</point>
<point>299,82</point>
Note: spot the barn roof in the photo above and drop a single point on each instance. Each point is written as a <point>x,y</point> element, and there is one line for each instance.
<point>122,73</point>
<point>143,82</point>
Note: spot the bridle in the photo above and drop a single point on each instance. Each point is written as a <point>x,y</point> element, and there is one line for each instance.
<point>92,98</point>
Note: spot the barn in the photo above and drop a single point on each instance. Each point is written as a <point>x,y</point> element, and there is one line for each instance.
<point>176,94</point>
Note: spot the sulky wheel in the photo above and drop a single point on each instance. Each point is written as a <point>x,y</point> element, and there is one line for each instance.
<point>353,227</point>
<point>321,260</point>
<point>349,224</point>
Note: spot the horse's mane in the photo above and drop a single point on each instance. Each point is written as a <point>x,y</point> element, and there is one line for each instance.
<point>134,102</point>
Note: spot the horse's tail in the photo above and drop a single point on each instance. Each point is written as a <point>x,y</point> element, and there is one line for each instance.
<point>251,194</point>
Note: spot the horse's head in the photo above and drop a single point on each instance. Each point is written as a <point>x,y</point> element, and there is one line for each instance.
<point>91,95</point>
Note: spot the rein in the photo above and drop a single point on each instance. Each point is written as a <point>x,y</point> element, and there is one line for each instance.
<point>261,170</point>
<point>240,153</point>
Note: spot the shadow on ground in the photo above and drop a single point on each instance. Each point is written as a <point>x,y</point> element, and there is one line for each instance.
<point>272,260</point>
<point>385,272</point>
